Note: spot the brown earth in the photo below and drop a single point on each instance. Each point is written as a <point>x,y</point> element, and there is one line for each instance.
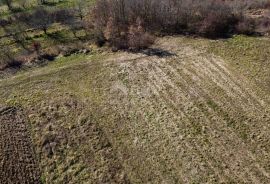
<point>18,162</point>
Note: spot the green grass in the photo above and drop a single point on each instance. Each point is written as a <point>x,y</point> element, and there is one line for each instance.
<point>57,34</point>
<point>248,55</point>
<point>31,4</point>
<point>40,89</point>
<point>244,54</point>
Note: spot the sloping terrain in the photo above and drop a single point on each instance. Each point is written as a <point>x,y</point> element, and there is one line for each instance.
<point>176,113</point>
<point>71,146</point>
<point>188,118</point>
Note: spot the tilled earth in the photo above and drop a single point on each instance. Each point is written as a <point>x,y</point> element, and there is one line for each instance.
<point>175,113</point>
<point>18,162</point>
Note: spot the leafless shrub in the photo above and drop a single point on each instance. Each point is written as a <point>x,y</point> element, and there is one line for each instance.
<point>68,17</point>
<point>36,46</point>
<point>219,20</point>
<point>263,25</point>
<point>49,53</point>
<point>138,38</point>
<point>211,18</point>
<point>246,26</point>
<point>7,58</point>
<point>115,34</point>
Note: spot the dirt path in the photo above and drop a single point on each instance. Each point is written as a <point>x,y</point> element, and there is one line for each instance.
<point>17,159</point>
<point>189,118</point>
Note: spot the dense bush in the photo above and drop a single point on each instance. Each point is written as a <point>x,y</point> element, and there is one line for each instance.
<point>7,59</point>
<point>138,38</point>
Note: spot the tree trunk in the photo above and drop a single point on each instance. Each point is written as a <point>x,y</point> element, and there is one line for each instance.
<point>9,4</point>
<point>45,30</point>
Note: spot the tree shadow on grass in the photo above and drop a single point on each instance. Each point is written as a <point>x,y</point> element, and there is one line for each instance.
<point>155,52</point>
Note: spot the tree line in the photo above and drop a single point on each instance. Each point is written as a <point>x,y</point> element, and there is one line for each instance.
<point>134,24</point>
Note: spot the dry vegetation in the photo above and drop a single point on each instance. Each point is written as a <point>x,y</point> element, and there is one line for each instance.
<point>189,118</point>
<point>127,24</point>
<point>209,18</point>
<point>165,108</point>
<point>180,112</point>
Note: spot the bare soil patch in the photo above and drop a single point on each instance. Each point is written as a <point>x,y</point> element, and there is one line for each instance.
<point>18,162</point>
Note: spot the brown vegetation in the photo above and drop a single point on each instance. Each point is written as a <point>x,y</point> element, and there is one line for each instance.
<point>133,24</point>
<point>209,18</point>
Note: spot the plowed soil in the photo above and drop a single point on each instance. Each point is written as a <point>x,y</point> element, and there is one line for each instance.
<point>18,162</point>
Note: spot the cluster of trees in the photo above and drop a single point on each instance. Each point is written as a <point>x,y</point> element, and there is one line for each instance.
<point>131,24</point>
<point>39,19</point>
<point>24,4</point>
<point>208,18</point>
<point>18,25</point>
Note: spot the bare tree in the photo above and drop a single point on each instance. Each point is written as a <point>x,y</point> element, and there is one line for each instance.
<point>39,19</point>
<point>17,31</point>
<point>68,17</point>
<point>211,18</point>
<point>42,19</point>
<point>80,7</point>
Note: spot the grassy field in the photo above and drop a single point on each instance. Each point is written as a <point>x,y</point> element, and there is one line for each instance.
<point>187,111</point>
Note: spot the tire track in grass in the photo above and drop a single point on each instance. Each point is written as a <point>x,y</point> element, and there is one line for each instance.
<point>141,104</point>
<point>247,105</point>
<point>161,89</point>
<point>186,92</point>
<point>195,114</point>
<point>163,75</point>
<point>165,129</point>
<point>216,63</point>
<point>192,73</point>
<point>166,98</point>
<point>141,129</point>
<point>237,110</point>
<point>216,76</point>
